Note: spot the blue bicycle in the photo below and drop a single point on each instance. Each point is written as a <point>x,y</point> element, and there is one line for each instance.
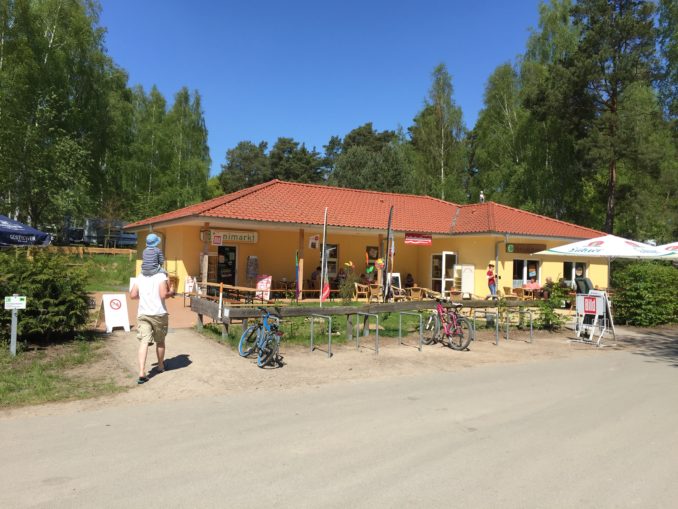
<point>263,338</point>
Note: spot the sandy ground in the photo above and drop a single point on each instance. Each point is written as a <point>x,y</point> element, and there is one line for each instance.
<point>198,365</point>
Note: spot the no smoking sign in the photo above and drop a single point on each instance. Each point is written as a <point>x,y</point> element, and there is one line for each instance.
<point>115,304</point>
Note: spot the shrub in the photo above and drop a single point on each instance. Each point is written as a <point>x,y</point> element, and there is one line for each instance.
<point>56,296</point>
<point>646,294</point>
<point>347,287</point>
<point>548,318</point>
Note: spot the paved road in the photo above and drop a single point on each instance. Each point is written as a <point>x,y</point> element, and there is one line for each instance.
<point>594,431</point>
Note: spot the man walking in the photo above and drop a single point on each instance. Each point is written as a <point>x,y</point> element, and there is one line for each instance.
<point>152,318</point>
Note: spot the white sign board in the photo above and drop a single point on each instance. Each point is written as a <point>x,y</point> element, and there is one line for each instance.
<point>594,315</point>
<point>264,287</point>
<point>115,311</point>
<point>468,279</point>
<point>15,302</point>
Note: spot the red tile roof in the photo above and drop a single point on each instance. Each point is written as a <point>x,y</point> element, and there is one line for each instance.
<point>290,202</point>
<point>495,217</point>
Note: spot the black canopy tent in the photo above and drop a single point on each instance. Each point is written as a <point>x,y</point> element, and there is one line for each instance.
<point>14,233</point>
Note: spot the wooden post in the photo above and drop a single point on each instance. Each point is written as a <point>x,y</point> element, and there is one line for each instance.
<point>301,263</point>
<point>204,265</point>
<point>200,323</point>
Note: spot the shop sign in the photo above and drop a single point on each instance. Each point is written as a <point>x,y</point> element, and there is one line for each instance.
<point>525,248</point>
<point>417,239</point>
<point>221,237</point>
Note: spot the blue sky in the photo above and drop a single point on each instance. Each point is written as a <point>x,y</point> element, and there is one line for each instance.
<point>312,69</point>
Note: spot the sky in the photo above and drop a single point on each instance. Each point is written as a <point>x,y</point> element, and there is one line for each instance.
<point>313,69</point>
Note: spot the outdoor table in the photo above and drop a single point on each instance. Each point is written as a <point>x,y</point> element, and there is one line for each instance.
<point>248,293</point>
<point>532,293</point>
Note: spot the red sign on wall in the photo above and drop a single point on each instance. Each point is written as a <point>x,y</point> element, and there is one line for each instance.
<point>418,239</point>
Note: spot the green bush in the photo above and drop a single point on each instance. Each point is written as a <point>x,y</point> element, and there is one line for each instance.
<point>646,294</point>
<point>56,302</point>
<point>548,318</point>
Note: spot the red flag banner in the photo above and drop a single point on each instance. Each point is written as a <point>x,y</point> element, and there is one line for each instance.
<point>417,239</point>
<point>326,292</point>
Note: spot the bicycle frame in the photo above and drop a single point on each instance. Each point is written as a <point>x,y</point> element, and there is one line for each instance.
<point>449,318</point>
<point>446,326</point>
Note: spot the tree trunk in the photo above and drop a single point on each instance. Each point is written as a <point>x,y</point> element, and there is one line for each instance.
<point>612,168</point>
<point>611,190</point>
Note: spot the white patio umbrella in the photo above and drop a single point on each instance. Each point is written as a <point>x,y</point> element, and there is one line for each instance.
<point>610,246</point>
<point>671,250</point>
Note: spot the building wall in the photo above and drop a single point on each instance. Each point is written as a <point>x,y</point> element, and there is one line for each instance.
<point>276,251</point>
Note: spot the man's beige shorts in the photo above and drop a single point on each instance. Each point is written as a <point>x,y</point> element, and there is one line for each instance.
<point>152,328</point>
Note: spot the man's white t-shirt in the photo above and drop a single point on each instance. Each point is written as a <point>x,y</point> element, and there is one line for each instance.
<point>150,302</point>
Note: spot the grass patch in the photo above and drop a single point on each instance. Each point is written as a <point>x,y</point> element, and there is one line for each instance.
<point>107,273</point>
<point>50,374</point>
<point>297,330</point>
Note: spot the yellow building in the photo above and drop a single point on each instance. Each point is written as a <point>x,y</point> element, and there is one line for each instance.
<point>262,229</point>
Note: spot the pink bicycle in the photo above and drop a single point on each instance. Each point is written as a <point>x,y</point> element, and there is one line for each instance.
<point>446,326</point>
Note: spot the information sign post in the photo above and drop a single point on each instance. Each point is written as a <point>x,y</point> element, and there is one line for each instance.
<point>15,302</point>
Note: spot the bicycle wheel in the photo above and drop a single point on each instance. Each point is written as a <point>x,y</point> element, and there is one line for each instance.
<point>269,351</point>
<point>461,336</point>
<point>431,329</point>
<point>248,341</point>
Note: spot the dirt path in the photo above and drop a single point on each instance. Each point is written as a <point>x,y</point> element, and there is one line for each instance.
<point>198,365</point>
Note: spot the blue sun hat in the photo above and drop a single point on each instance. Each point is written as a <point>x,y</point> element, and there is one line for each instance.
<point>152,240</point>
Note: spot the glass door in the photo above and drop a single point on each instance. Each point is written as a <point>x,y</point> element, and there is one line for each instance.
<point>442,272</point>
<point>226,268</point>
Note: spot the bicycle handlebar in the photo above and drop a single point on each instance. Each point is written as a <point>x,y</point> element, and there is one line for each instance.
<point>268,313</point>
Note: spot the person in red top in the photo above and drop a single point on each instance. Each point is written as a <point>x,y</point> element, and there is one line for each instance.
<point>491,280</point>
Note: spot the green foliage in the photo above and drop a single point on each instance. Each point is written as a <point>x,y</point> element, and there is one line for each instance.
<point>347,286</point>
<point>106,272</point>
<point>74,139</point>
<point>437,136</point>
<point>646,294</point>
<point>57,302</point>
<point>548,318</point>
<point>294,162</point>
<point>246,165</point>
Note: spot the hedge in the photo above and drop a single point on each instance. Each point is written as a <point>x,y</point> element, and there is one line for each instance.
<point>57,302</point>
<point>646,294</point>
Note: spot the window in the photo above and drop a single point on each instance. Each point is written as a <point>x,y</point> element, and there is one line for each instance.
<point>332,253</point>
<point>569,269</point>
<point>372,254</point>
<point>523,271</point>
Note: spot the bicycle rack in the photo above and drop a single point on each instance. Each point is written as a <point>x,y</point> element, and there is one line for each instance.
<point>329,332</point>
<point>400,327</point>
<point>495,316</point>
<point>520,312</point>
<point>366,330</point>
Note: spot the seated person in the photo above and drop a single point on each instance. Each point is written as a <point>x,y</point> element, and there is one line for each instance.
<point>315,276</point>
<point>339,280</point>
<point>363,280</point>
<point>582,284</point>
<point>532,285</point>
<point>409,281</point>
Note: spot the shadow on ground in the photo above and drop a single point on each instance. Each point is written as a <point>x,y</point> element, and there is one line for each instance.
<point>177,362</point>
<point>658,345</point>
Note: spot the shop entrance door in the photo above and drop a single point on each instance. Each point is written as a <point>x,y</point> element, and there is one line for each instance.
<point>226,265</point>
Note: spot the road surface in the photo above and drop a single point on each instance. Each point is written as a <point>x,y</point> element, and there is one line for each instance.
<point>588,431</point>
